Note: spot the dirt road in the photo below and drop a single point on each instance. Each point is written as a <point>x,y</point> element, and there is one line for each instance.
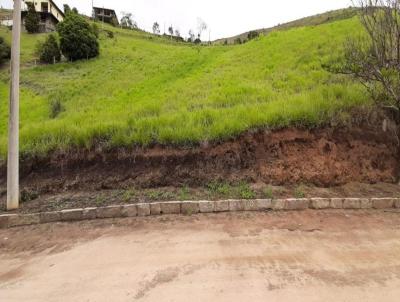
<point>297,256</point>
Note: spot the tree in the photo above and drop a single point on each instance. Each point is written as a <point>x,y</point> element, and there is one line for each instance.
<point>32,19</point>
<point>373,58</point>
<point>156,28</point>
<point>127,21</point>
<point>67,9</point>
<point>49,51</point>
<point>191,36</point>
<point>171,30</point>
<point>75,10</point>
<point>201,26</point>
<point>238,41</point>
<point>77,38</point>
<point>177,33</point>
<point>5,50</point>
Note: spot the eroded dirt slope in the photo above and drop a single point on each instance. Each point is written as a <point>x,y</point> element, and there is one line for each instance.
<point>322,157</point>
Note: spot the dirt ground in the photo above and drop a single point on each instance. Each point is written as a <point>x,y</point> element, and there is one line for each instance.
<point>324,157</point>
<point>280,256</point>
<point>84,199</point>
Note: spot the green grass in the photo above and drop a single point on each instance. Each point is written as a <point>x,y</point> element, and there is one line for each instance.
<point>144,90</point>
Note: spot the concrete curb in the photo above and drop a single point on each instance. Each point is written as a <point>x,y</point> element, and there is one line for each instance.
<point>196,207</point>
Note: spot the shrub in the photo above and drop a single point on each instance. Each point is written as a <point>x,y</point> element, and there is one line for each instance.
<point>77,38</point>
<point>32,19</point>
<point>49,51</point>
<point>5,50</point>
<point>252,35</point>
<point>56,108</point>
<point>96,30</point>
<point>238,41</point>
<point>245,191</point>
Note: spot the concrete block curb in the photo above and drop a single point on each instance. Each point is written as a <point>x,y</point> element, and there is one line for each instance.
<point>190,207</point>
<point>222,206</point>
<point>352,203</point>
<point>264,204</point>
<point>143,209</point>
<point>383,203</point>
<point>195,207</point>
<point>320,203</point>
<point>72,215</point>
<point>297,204</point>
<point>171,207</point>
<point>206,206</point>
<point>109,212</point>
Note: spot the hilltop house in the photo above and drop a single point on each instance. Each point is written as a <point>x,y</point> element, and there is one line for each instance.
<point>50,14</point>
<point>105,15</point>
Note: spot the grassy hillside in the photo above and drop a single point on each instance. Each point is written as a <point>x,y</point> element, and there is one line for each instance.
<point>144,89</point>
<point>328,17</point>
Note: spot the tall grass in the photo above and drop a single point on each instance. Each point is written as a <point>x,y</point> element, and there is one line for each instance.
<point>144,89</point>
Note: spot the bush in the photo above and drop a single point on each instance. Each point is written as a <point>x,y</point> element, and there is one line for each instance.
<point>77,38</point>
<point>32,19</point>
<point>5,50</point>
<point>238,41</point>
<point>96,30</point>
<point>252,35</point>
<point>49,51</point>
<point>56,108</point>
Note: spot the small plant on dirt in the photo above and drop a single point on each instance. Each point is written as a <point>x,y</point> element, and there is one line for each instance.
<point>245,191</point>
<point>129,195</point>
<point>100,200</point>
<point>154,194</point>
<point>27,195</point>
<point>268,193</point>
<point>299,192</point>
<point>219,188</point>
<point>184,193</point>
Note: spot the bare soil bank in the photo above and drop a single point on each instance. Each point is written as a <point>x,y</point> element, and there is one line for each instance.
<point>322,157</point>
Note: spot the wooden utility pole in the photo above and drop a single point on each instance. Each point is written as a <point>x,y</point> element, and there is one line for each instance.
<point>13,122</point>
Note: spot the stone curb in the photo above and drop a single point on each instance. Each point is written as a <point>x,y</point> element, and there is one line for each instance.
<point>195,207</point>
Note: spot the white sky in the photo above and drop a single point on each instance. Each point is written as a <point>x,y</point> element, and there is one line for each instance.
<point>224,17</point>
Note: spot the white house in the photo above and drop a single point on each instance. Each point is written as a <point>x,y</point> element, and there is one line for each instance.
<point>50,14</point>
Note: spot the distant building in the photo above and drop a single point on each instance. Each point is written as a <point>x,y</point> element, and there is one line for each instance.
<point>105,15</point>
<point>50,14</point>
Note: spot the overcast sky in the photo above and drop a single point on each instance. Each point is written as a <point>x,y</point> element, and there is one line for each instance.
<point>224,17</point>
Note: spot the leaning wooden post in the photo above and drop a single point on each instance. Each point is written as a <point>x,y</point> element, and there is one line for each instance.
<point>13,122</point>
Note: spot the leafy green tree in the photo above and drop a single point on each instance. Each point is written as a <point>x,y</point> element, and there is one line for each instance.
<point>77,38</point>
<point>31,19</point>
<point>5,50</point>
<point>49,51</point>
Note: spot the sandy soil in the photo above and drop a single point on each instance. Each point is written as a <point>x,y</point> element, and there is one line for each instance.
<point>296,256</point>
